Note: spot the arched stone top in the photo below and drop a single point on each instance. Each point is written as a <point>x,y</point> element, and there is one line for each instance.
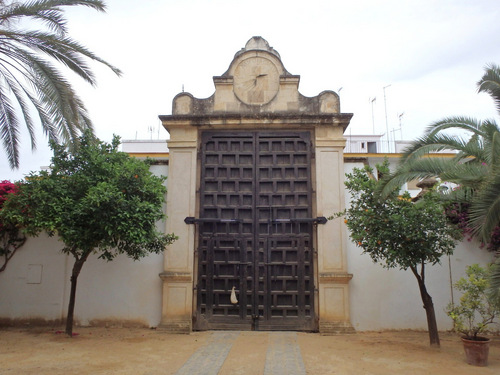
<point>183,103</point>
<point>329,102</point>
<point>258,43</point>
<point>256,83</point>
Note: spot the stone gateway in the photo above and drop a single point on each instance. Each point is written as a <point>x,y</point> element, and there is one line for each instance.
<point>253,170</point>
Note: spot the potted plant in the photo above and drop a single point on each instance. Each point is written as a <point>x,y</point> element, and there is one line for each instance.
<point>474,313</point>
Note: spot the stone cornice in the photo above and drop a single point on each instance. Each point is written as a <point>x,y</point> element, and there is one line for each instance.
<point>172,276</point>
<point>335,277</point>
<point>181,144</point>
<point>328,143</point>
<point>258,116</point>
<point>269,119</point>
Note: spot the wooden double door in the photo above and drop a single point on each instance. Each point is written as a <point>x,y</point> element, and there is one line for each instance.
<point>255,232</point>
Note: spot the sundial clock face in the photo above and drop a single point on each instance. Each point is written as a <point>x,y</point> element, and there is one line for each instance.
<point>256,81</point>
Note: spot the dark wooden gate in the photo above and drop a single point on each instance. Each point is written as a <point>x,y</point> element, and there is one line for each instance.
<point>255,232</point>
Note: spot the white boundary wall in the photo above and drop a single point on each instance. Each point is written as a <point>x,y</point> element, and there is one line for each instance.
<point>35,286</point>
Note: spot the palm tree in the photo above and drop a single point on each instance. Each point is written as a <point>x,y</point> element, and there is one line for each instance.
<point>475,168</point>
<point>29,78</point>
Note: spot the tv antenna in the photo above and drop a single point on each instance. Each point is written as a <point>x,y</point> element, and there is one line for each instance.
<point>372,101</point>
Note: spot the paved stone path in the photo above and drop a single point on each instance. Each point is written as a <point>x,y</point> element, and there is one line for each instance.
<point>283,355</point>
<point>209,358</point>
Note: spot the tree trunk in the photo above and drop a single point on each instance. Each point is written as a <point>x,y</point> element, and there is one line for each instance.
<point>8,255</point>
<point>429,309</point>
<point>431,315</point>
<point>77,267</point>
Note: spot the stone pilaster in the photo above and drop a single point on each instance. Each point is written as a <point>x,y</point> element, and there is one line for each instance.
<point>333,279</point>
<point>177,305</point>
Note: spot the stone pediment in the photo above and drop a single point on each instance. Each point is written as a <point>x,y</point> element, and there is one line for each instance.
<point>256,83</point>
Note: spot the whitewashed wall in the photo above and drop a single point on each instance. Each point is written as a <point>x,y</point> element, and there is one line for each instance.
<point>36,284</point>
<point>32,285</point>
<point>390,299</point>
<point>121,291</point>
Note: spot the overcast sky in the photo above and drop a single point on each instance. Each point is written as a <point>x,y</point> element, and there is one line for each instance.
<point>430,52</point>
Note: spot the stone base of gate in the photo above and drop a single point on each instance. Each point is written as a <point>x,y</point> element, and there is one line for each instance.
<point>177,302</point>
<point>182,327</point>
<point>335,328</point>
<point>334,315</point>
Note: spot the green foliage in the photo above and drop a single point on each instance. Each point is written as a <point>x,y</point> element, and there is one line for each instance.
<point>396,232</point>
<point>96,199</point>
<point>476,309</point>
<point>494,290</point>
<point>475,168</point>
<point>31,79</point>
<point>11,238</point>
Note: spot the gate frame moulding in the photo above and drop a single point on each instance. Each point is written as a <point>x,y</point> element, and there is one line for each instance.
<point>256,93</point>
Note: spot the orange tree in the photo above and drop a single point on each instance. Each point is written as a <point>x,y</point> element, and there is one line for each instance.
<point>398,233</point>
<point>97,200</point>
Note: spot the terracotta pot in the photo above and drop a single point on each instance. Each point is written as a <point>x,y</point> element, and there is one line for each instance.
<point>476,351</point>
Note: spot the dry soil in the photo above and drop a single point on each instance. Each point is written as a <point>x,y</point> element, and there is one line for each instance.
<point>44,351</point>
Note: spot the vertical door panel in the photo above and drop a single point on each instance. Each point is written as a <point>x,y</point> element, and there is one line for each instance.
<point>225,250</point>
<point>283,187</point>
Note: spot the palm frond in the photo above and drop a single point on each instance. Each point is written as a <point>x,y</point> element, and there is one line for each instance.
<point>485,207</point>
<point>18,65</point>
<point>474,149</point>
<point>490,83</point>
<point>427,144</point>
<point>495,282</point>
<point>417,169</point>
<point>464,174</point>
<point>48,12</point>
<point>17,90</point>
<point>489,127</point>
<point>61,104</point>
<point>461,123</point>
<point>9,129</point>
<point>28,72</point>
<point>495,151</point>
<point>62,49</point>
